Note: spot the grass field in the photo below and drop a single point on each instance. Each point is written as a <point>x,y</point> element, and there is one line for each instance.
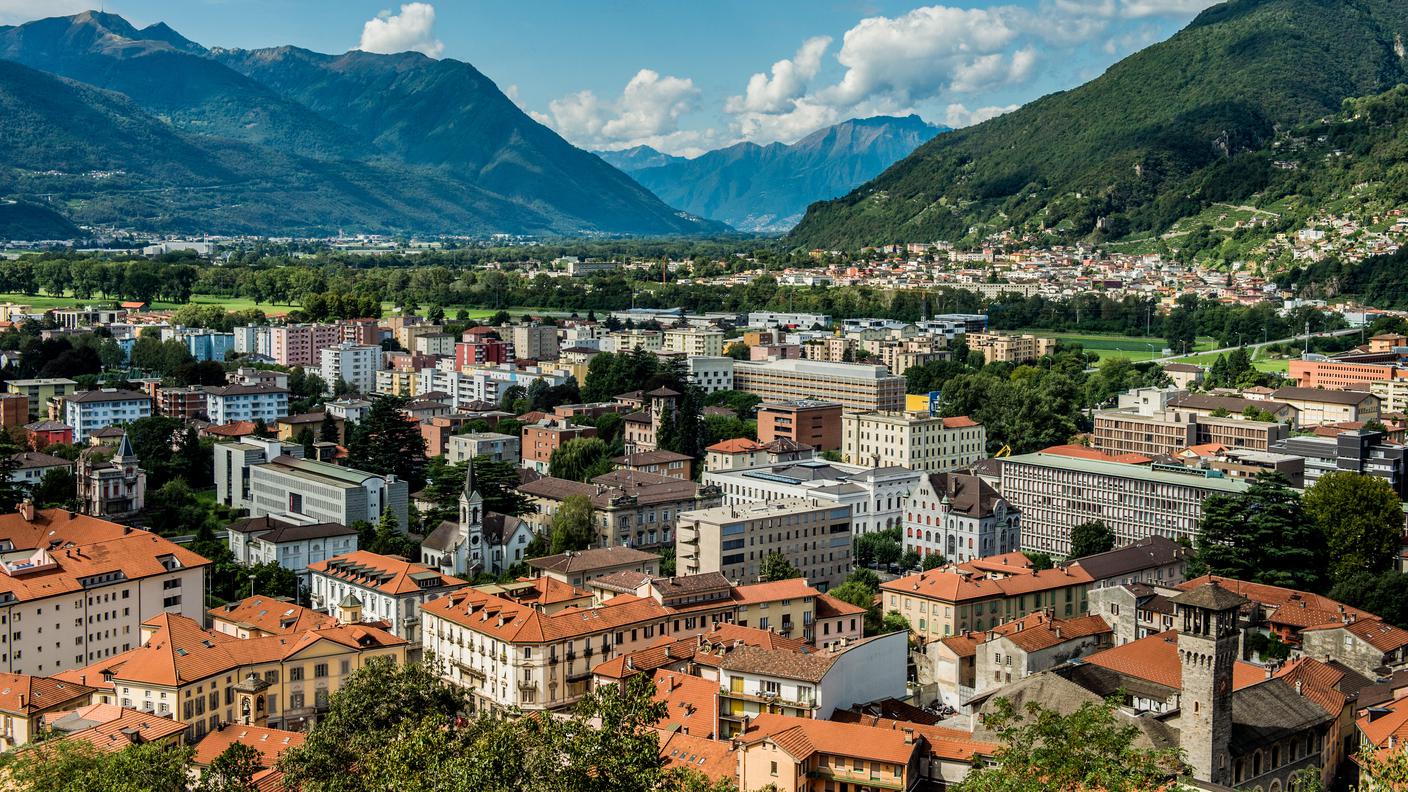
<point>45,302</point>
<point>1134,348</point>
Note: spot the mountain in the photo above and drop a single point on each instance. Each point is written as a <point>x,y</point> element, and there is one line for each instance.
<point>1121,153</point>
<point>32,223</point>
<point>766,188</point>
<point>291,141</point>
<point>638,158</point>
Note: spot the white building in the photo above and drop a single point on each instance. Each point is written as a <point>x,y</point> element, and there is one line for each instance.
<point>711,373</point>
<point>229,403</point>
<point>355,364</point>
<point>771,320</point>
<point>233,461</point>
<point>291,545</point>
<point>480,541</point>
<point>498,447</point>
<point>385,587</point>
<point>876,496</point>
<point>350,410</point>
<point>694,341</point>
<point>95,409</point>
<point>75,589</point>
<point>819,682</point>
<point>918,442</point>
<point>481,383</point>
<point>323,492</point>
<point>960,517</point>
<point>33,466</point>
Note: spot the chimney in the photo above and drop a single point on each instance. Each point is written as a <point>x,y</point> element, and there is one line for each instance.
<point>26,509</point>
<point>909,736</point>
<point>1058,633</point>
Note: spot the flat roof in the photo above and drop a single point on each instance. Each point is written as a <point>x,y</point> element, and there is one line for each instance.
<point>1124,470</point>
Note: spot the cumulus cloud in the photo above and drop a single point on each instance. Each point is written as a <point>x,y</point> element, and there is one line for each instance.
<point>789,80</point>
<point>1174,8</point>
<point>958,115</point>
<point>647,112</point>
<point>408,31</point>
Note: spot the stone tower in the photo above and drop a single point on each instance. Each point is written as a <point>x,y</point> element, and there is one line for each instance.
<point>1208,638</point>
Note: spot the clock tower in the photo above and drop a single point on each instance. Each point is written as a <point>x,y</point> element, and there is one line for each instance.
<point>1208,639</point>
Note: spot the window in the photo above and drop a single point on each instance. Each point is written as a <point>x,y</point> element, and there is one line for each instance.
<point>295,674</point>
<point>320,670</point>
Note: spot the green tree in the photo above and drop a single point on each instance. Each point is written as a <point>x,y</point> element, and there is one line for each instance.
<point>232,770</point>
<point>775,567</point>
<point>498,485</point>
<point>1090,538</point>
<point>572,527</point>
<point>1261,535</point>
<point>327,429</point>
<point>580,459</point>
<point>173,509</point>
<point>932,561</point>
<point>1085,750</point>
<point>79,766</point>
<point>57,489</point>
<point>386,442</point>
<point>1361,519</point>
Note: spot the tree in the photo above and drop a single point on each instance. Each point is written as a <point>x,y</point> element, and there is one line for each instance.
<point>232,770</point>
<point>1085,750</point>
<point>879,547</point>
<point>389,539</point>
<point>1384,594</point>
<point>580,459</point>
<point>57,488</point>
<point>932,561</point>
<point>173,509</point>
<point>1090,538</point>
<point>1361,519</point>
<point>385,442</point>
<point>775,567</point>
<point>327,429</point>
<point>1261,535</point>
<point>572,527</point>
<point>79,766</point>
<point>909,559</point>
<point>498,486</point>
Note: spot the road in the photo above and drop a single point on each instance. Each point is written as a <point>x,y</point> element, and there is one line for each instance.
<point>1250,347</point>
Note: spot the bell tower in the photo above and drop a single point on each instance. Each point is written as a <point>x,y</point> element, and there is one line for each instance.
<point>1208,639</point>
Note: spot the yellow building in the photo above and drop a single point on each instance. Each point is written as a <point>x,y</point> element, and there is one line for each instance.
<point>40,391</point>
<point>804,755</point>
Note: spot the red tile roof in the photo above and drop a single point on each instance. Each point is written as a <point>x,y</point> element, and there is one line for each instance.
<point>270,743</point>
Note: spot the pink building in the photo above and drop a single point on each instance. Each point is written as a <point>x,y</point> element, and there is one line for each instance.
<point>302,345</point>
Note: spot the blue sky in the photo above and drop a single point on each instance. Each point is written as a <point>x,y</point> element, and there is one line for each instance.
<point>689,76</point>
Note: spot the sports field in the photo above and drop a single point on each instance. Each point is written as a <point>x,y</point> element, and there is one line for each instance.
<point>1134,348</point>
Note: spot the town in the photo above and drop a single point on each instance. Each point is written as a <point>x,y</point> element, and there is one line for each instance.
<point>821,553</point>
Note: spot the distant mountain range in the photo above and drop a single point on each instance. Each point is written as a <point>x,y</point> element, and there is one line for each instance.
<point>1158,137</point>
<point>767,188</point>
<point>144,128</point>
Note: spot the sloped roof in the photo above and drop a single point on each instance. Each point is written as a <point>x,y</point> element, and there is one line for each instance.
<point>803,737</point>
<point>23,695</point>
<point>272,615</point>
<point>270,743</point>
<point>1211,596</point>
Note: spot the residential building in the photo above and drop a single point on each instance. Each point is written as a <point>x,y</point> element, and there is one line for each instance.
<point>959,517</point>
<point>434,344</point>
<point>260,616</point>
<point>918,442</point>
<point>1017,649</point>
<point>1003,348</point>
<point>958,599</point>
<point>874,496</point>
<point>1319,406</point>
<point>1153,560</point>
<point>734,540</point>
<point>740,453</point>
<point>26,702</point>
<point>483,351</point>
<point>46,433</point>
<point>210,680</point>
<point>1184,375</point>
<point>41,391</point>
<point>379,588</point>
<point>32,466</point>
<point>290,544</point>
<point>535,342</point>
<point>855,386</point>
<point>808,421</point>
<point>541,439</point>
<point>711,374</point>
<point>184,403</point>
<point>694,341</point>
<point>75,589</point>
<point>497,447</point>
<point>658,462</point>
<point>629,508</point>
<point>1392,393</point>
<point>1055,493</point>
<point>14,410</point>
<point>96,409</point>
<point>578,568</point>
<point>301,345</point>
<point>805,755</point>
<point>110,480</point>
<point>1360,450</point>
<point>354,364</point>
<point>229,403</point>
<point>1369,646</point>
<point>208,345</point>
<point>322,492</point>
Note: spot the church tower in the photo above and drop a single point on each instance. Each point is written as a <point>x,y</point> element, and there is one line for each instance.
<point>471,502</point>
<point>1208,639</point>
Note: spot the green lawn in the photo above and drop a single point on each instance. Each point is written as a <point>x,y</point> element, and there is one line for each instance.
<point>1117,346</point>
<point>45,302</point>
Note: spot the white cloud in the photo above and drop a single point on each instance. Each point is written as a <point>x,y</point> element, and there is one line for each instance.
<point>408,31</point>
<point>958,116</point>
<point>647,113</point>
<point>1173,8</point>
<point>790,79</point>
<point>17,12</point>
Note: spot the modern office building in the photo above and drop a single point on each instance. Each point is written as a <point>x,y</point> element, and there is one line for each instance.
<point>711,374</point>
<point>855,386</point>
<point>875,496</point>
<point>919,442</point>
<point>1359,450</point>
<point>734,540</point>
<point>311,491</point>
<point>92,410</point>
<point>1156,421</point>
<point>1340,374</point>
<point>1056,492</point>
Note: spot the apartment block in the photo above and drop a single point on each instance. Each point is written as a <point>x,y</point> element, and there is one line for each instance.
<point>1002,348</point>
<point>355,364</point>
<point>1055,493</point>
<point>694,341</point>
<point>75,589</point>
<point>301,345</point>
<point>546,436</point>
<point>230,403</point>
<point>184,403</point>
<point>435,344</point>
<point>41,391</point>
<point>96,409</point>
<point>495,446</point>
<point>974,597</point>
<point>734,540</point>
<point>919,442</point>
<point>292,545</point>
<point>808,421</point>
<point>483,351</point>
<point>535,342</point>
<point>855,386</point>
<point>380,588</point>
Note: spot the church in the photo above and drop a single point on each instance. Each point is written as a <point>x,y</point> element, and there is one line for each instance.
<point>480,542</point>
